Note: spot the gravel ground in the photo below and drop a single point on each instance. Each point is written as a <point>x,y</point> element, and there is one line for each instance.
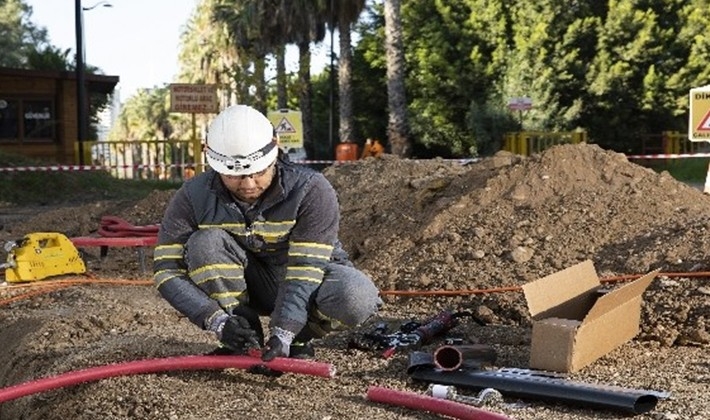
<point>416,226</point>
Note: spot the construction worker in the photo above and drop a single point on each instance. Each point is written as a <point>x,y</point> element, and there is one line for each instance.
<point>258,235</point>
<point>372,148</point>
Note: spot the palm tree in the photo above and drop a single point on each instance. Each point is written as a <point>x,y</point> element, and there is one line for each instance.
<point>398,126</point>
<point>347,12</point>
<point>207,56</point>
<point>254,31</point>
<point>303,22</point>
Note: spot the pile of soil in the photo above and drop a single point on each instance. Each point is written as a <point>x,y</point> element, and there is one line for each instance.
<point>474,227</point>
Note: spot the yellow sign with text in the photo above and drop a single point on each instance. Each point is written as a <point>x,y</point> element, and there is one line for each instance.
<point>699,123</point>
<point>289,126</point>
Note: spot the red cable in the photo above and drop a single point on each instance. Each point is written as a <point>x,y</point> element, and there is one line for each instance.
<point>625,277</point>
<point>431,404</point>
<point>279,364</point>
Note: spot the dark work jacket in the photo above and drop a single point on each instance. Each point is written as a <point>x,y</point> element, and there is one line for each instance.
<point>294,224</point>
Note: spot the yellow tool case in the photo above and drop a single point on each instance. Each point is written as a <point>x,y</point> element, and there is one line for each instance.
<point>40,255</point>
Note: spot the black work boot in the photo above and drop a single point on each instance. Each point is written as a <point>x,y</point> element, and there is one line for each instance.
<point>302,350</point>
<point>301,347</point>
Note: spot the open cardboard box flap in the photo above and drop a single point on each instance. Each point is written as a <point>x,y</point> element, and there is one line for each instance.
<point>620,296</point>
<point>546,294</point>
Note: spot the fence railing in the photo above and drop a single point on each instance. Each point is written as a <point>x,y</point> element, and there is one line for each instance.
<point>171,160</point>
<point>530,142</point>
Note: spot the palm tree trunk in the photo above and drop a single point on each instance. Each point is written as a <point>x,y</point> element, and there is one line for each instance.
<point>397,126</point>
<point>305,95</point>
<point>281,94</point>
<point>345,99</point>
<point>260,83</point>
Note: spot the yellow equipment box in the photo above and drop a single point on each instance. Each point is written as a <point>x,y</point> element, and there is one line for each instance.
<point>40,255</point>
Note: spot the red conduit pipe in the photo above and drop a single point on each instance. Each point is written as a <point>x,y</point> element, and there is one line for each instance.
<point>431,404</point>
<point>280,364</point>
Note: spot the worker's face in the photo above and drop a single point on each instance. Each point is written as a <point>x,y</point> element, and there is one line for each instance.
<point>249,188</point>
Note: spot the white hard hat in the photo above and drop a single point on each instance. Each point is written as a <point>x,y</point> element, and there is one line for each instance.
<point>240,141</point>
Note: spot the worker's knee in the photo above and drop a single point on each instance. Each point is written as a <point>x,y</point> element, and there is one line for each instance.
<point>207,238</point>
<point>346,298</point>
<point>212,245</point>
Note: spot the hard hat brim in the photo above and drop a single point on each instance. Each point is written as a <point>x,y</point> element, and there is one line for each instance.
<point>257,166</point>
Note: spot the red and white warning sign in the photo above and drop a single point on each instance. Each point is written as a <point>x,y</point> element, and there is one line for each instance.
<point>699,122</point>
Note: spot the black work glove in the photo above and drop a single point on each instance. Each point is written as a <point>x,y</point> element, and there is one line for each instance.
<point>274,348</point>
<point>238,334</point>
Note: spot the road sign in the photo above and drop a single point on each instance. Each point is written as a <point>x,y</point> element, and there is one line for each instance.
<point>520,103</point>
<point>193,98</point>
<point>699,121</point>
<point>289,126</point>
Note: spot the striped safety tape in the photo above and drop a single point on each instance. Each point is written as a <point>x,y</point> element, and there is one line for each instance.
<point>69,168</point>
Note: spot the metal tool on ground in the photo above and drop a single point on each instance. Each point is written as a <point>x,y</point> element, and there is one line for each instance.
<point>448,392</point>
<point>40,255</point>
<point>411,335</point>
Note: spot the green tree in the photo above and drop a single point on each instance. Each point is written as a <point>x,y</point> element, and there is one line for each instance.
<point>144,116</point>
<point>19,37</point>
<point>694,43</point>
<point>441,80</point>
<point>637,53</point>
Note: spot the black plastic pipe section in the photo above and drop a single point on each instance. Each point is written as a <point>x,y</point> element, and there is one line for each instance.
<point>537,385</point>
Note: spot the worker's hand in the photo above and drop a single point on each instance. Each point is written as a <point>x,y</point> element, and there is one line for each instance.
<point>279,344</point>
<point>238,334</point>
<point>274,348</point>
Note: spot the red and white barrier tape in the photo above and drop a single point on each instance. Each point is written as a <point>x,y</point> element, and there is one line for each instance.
<point>70,168</point>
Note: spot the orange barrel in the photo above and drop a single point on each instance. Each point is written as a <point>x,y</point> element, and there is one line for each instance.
<point>346,151</point>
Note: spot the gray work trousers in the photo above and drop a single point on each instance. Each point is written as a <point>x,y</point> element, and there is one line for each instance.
<point>346,297</point>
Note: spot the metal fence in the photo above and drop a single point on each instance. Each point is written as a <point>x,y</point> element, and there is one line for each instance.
<point>169,160</point>
<point>530,142</point>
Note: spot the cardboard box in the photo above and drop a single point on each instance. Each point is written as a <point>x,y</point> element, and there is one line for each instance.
<point>575,323</point>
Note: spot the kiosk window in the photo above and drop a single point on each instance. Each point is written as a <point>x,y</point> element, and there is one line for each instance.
<point>38,119</point>
<point>26,120</point>
<point>9,123</point>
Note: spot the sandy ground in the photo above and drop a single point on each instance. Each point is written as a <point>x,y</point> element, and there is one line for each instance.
<point>419,226</point>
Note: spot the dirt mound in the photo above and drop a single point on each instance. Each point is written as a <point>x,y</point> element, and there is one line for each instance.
<point>413,225</point>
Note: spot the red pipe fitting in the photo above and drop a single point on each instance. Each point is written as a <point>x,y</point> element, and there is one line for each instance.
<point>280,364</point>
<point>430,404</point>
<point>452,357</point>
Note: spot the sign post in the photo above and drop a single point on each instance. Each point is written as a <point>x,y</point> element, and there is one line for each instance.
<point>520,104</point>
<point>699,121</point>
<point>194,99</point>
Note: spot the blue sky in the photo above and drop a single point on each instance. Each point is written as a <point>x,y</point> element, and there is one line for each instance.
<point>137,40</point>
